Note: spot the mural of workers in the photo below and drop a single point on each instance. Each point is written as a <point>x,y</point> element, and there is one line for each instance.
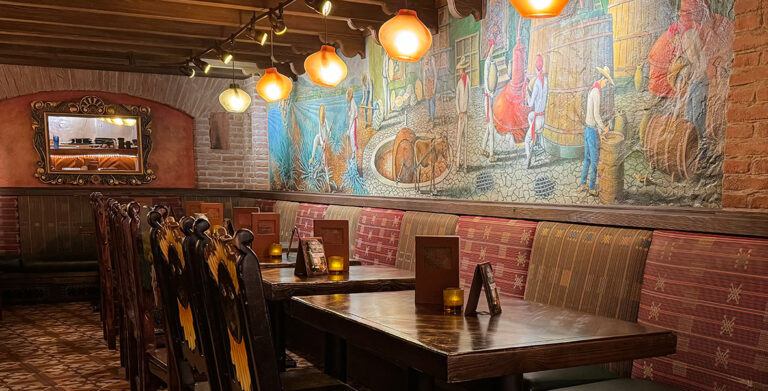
<point>367,102</point>
<point>321,141</point>
<point>489,87</point>
<point>385,69</point>
<point>661,89</point>
<point>593,131</point>
<point>430,84</point>
<point>352,114</point>
<point>538,92</point>
<point>462,105</point>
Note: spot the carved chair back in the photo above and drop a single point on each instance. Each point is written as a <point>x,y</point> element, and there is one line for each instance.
<point>126,310</point>
<point>238,313</point>
<point>106,283</point>
<point>174,273</point>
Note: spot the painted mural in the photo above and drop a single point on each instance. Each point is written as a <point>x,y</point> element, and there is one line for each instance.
<point>613,102</point>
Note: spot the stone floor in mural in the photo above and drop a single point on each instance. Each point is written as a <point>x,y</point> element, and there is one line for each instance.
<point>549,180</point>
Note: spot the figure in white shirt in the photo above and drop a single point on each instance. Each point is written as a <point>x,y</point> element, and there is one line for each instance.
<point>594,131</point>
<point>538,93</point>
<point>367,102</point>
<point>489,87</point>
<point>462,104</point>
<point>321,139</point>
<point>385,81</point>
<point>352,123</point>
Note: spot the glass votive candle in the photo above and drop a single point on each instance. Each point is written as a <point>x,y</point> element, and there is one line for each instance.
<point>335,264</point>
<point>276,252</point>
<point>453,300</point>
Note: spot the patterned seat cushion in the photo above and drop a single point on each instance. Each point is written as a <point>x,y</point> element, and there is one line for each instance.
<point>306,215</point>
<point>593,269</point>
<point>713,292</point>
<point>349,213</point>
<point>287,212</point>
<point>420,223</point>
<point>378,233</point>
<point>505,243</point>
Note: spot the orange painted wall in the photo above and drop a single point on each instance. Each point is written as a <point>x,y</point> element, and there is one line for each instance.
<point>172,156</point>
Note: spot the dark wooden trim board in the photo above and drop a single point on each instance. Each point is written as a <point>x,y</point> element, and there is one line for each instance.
<point>733,222</point>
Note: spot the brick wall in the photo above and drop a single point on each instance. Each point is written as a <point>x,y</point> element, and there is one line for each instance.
<point>9,226</point>
<point>745,169</point>
<point>244,165</point>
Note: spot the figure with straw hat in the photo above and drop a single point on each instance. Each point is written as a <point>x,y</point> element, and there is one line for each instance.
<point>462,105</point>
<point>595,127</point>
<point>489,87</point>
<point>321,139</point>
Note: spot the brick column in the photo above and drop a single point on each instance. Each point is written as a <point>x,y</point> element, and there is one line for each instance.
<point>745,168</point>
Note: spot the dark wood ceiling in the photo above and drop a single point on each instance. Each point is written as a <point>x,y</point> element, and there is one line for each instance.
<point>156,36</point>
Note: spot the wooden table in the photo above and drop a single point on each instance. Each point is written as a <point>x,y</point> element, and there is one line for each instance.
<point>289,261</point>
<point>525,337</point>
<point>280,284</point>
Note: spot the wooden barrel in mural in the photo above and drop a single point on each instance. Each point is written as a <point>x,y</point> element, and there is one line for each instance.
<point>541,31</point>
<point>577,50</point>
<point>671,145</point>
<point>636,26</point>
<point>611,168</point>
<point>403,158</point>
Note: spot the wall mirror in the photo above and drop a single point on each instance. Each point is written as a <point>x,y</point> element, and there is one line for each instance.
<point>91,142</point>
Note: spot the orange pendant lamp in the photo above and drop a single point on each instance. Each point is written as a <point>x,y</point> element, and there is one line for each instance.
<point>539,8</point>
<point>405,37</point>
<point>325,68</point>
<point>273,86</point>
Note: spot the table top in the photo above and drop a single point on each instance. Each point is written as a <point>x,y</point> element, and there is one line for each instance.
<point>281,284</point>
<point>525,337</point>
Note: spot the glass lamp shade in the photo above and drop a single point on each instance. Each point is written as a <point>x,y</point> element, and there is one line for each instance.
<point>234,99</point>
<point>325,68</point>
<point>405,37</point>
<point>539,8</point>
<point>273,86</point>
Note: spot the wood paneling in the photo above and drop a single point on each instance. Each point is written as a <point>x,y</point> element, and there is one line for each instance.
<point>683,219</point>
<point>60,227</point>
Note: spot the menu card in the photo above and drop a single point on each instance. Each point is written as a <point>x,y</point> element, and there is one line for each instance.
<point>335,235</point>
<point>483,279</point>
<point>242,216</point>
<point>192,207</point>
<point>266,230</point>
<point>214,211</point>
<point>437,267</point>
<point>310,259</point>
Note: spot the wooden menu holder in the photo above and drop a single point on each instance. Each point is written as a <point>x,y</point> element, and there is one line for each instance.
<point>437,267</point>
<point>214,211</point>
<point>266,230</point>
<point>310,257</point>
<point>241,216</point>
<point>192,207</point>
<point>483,279</point>
<point>335,235</point>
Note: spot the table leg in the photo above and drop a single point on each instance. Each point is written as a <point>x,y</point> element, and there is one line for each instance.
<point>504,383</point>
<point>419,381</point>
<point>336,357</point>
<point>277,321</point>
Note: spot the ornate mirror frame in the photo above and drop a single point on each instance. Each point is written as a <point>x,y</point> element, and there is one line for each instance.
<point>91,106</point>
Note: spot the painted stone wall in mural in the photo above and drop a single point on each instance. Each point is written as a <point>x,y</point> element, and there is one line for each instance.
<point>613,102</point>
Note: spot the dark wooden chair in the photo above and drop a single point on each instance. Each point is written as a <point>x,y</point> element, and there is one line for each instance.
<point>245,356</point>
<point>175,279</point>
<point>107,304</point>
<point>116,254</point>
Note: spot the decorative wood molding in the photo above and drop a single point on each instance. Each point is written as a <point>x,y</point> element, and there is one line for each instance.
<point>462,8</point>
<point>94,107</point>
<point>729,222</point>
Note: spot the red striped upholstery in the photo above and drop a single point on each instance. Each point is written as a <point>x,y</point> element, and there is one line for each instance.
<point>506,244</point>
<point>713,291</point>
<point>378,234</point>
<point>306,215</point>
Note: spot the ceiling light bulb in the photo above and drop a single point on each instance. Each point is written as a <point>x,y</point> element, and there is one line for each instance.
<point>405,37</point>
<point>187,71</point>
<point>204,66</point>
<point>325,68</point>
<point>322,7</point>
<point>234,99</point>
<point>277,22</point>
<point>539,8</point>
<point>262,39</point>
<point>274,86</point>
<point>224,55</point>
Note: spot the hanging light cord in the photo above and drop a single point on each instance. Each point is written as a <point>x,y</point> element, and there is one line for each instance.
<point>272,48</point>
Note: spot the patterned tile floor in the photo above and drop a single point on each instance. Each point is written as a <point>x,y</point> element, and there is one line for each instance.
<point>56,347</point>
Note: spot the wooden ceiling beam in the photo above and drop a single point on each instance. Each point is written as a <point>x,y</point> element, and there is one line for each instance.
<point>159,13</point>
